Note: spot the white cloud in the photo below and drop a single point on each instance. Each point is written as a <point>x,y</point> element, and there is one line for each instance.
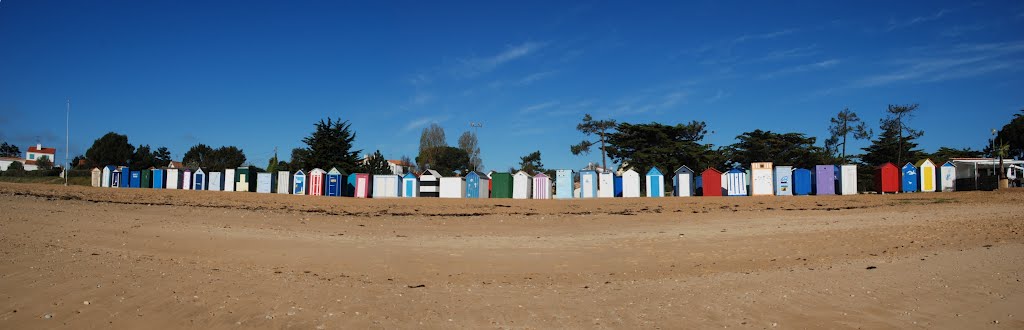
<point>899,24</point>
<point>418,123</point>
<point>538,107</point>
<point>719,95</point>
<point>801,68</point>
<point>421,98</point>
<point>476,66</point>
<point>963,61</point>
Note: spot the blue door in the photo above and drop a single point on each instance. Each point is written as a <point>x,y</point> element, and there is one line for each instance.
<point>801,182</point>
<point>158,179</point>
<point>656,189</point>
<point>334,185</point>
<point>472,187</point>
<point>200,182</point>
<point>136,179</point>
<point>408,188</point>
<point>300,185</point>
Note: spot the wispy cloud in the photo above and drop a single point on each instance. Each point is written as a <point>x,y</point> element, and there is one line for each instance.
<point>904,23</point>
<point>537,107</point>
<point>785,54</point>
<point>421,98</point>
<point>763,36</point>
<point>801,69</point>
<point>959,30</point>
<point>719,95</point>
<point>524,81</point>
<point>475,66</point>
<point>963,61</point>
<point>645,102</point>
<point>725,46</point>
<point>421,122</point>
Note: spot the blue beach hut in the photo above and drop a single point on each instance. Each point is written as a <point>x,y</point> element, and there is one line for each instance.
<point>588,184</point>
<point>655,183</point>
<point>564,184</point>
<point>909,178</point>
<point>334,182</point>
<point>476,185</point>
<point>199,181</point>
<point>802,182</point>
<point>135,179</point>
<point>159,176</point>
<point>410,185</point>
<point>299,183</point>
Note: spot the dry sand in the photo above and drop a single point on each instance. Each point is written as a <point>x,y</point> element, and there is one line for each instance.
<point>79,257</point>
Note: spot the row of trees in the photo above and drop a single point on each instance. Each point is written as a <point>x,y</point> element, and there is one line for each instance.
<point>436,154</point>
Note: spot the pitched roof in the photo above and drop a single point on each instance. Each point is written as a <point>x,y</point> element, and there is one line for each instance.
<point>175,164</point>
<point>42,150</point>
<point>921,162</point>
<point>399,162</point>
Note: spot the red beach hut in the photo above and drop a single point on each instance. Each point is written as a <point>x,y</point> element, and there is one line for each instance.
<point>712,182</point>
<point>888,178</point>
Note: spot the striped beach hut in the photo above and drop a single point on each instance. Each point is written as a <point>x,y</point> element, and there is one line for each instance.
<point>541,186</point>
<point>335,180</point>
<point>264,182</point>
<point>926,169</point>
<point>783,181</point>
<point>908,178</point>
<point>410,185</point>
<point>363,185</point>
<point>477,185</point>
<point>216,181</point>
<point>655,183</point>
<point>711,182</point>
<point>453,187</point>
<point>735,181</point>
<point>430,183</point>
<point>630,184</point>
<point>947,177</point>
<point>887,180</point>
<point>803,182</point>
<point>199,180</point>
<point>315,180</point>
<point>762,180</point>
<point>847,180</point>
<point>682,182</point>
<point>606,184</point>
<point>522,185</point>
<point>229,177</point>
<point>588,184</point>
<point>564,184</point>
<point>824,180</point>
<point>299,183</point>
<point>284,182</point>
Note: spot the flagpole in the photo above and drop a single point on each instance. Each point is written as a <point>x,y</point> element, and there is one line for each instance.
<point>67,139</point>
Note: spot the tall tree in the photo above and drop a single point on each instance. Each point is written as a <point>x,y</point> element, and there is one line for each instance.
<point>79,160</point>
<point>643,146</point>
<point>897,120</point>
<point>845,123</point>
<point>143,158</point>
<point>44,163</point>
<point>531,163</point>
<point>199,155</point>
<point>1011,134</point>
<point>110,149</point>
<point>794,149</point>
<point>330,145</point>
<point>431,141</point>
<point>449,160</point>
<point>9,150</point>
<point>272,164</point>
<point>162,156</point>
<point>469,143</point>
<point>376,164</point>
<point>589,127</point>
<point>206,157</point>
<point>890,146</point>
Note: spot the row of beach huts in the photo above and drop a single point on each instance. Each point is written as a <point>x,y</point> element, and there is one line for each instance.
<point>761,179</point>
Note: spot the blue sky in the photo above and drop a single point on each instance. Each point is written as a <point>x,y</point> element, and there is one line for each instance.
<point>258,74</point>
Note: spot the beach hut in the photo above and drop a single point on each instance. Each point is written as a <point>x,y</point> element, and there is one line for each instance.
<point>386,185</point>
<point>617,186</point>
<point>186,179</point>
<point>564,184</point>
<point>299,183</point>
<point>908,178</point>
<point>264,182</point>
<point>315,181</point>
<point>947,177</point>
<point>522,185</point>
<point>588,184</point>
<point>199,181</point>
<point>606,184</point>
<point>173,178</point>
<point>229,177</point>
<point>410,185</point>
<point>762,180</point>
<point>824,180</point>
<point>927,175</point>
<point>108,176</point>
<point>783,181</point>
<point>97,177</point>
<point>430,183</point>
<point>159,178</point>
<point>241,179</point>
<point>630,184</point>
<point>453,187</point>
<point>216,181</point>
<point>334,182</point>
<point>115,178</point>
<point>682,182</point>
<point>146,177</point>
<point>541,186</point>
<point>348,186</point>
<point>655,183</point>
<point>284,182</point>
<point>501,185</point>
<point>803,182</point>
<point>887,180</point>
<point>362,186</point>
<point>711,182</point>
<point>477,185</point>
<point>736,182</point>
<point>125,176</point>
<point>135,179</point>
<point>847,180</point>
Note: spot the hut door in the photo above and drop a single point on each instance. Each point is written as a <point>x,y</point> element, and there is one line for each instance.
<point>361,187</point>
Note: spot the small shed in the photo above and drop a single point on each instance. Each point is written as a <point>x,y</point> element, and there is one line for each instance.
<point>126,174</point>
<point>186,179</point>
<point>334,183</point>
<point>453,187</point>
<point>348,187</point>
<point>824,180</point>
<point>847,180</point>
<point>564,184</point>
<point>159,178</point>
<point>630,183</point>
<point>173,177</point>
<point>216,181</point>
<point>783,181</point>
<point>588,184</point>
<point>617,186</point>
<point>315,180</point>
<point>146,176</point>
<point>477,185</point>
<point>430,183</point>
<point>736,182</point>
<point>803,182</point>
<point>229,179</point>
<point>135,179</point>
<point>108,176</point>
<point>541,186</point>
<point>711,182</point>
<point>501,185</point>
<point>947,177</point>
<point>927,175</point>
<point>606,184</point>
<point>97,177</point>
<point>264,182</point>
<point>284,182</point>
<point>522,185</point>
<point>410,185</point>
<point>888,179</point>
<point>655,183</point>
<point>115,178</point>
<point>908,178</point>
<point>386,186</point>
<point>363,185</point>
<point>199,180</point>
<point>682,182</point>
<point>762,180</point>
<point>299,183</point>
<point>242,178</point>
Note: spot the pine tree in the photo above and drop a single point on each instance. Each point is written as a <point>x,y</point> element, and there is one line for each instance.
<point>330,145</point>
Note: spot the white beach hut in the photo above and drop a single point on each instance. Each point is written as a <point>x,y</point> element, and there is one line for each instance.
<point>522,185</point>
<point>682,182</point>
<point>783,181</point>
<point>216,181</point>
<point>452,187</point>
<point>926,168</point>
<point>229,179</point>
<point>606,185</point>
<point>173,178</point>
<point>108,176</point>
<point>284,182</point>
<point>761,179</point>
<point>385,186</point>
<point>735,182</point>
<point>588,184</point>
<point>630,183</point>
<point>847,180</point>
<point>264,182</point>
<point>947,177</point>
